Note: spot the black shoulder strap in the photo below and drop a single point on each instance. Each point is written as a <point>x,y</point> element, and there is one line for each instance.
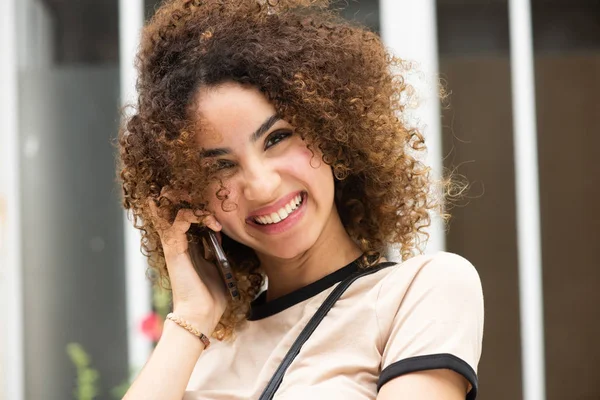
<point>277,377</point>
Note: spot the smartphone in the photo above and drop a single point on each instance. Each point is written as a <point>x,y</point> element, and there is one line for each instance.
<point>223,265</point>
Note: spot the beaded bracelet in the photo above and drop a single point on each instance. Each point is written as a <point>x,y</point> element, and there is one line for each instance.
<point>189,327</point>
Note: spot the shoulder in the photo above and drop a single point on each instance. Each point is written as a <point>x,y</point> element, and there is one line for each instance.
<point>441,291</point>
<point>430,315</point>
<point>443,271</point>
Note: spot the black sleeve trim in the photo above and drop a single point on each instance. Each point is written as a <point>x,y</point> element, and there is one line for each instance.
<point>429,362</point>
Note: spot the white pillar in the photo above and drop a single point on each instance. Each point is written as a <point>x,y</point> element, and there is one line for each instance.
<point>409,29</point>
<point>11,284</point>
<point>131,19</point>
<point>527,193</point>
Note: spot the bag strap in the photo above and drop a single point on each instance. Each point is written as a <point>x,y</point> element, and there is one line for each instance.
<point>335,294</point>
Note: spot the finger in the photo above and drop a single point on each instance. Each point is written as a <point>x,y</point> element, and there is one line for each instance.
<point>203,218</point>
<point>161,211</point>
<point>158,221</point>
<point>211,222</point>
<point>152,207</point>
<point>185,217</point>
<point>175,196</point>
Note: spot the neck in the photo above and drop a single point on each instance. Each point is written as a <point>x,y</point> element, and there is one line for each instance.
<point>287,275</point>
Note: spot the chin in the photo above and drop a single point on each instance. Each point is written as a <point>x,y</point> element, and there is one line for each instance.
<point>286,251</point>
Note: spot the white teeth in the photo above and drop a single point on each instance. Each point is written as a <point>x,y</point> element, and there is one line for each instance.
<point>275,217</point>
<point>281,214</point>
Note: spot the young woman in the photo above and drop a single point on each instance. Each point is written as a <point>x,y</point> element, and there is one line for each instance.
<point>279,127</point>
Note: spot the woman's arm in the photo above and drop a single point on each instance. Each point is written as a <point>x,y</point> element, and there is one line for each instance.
<point>167,372</point>
<point>439,384</point>
<point>199,298</point>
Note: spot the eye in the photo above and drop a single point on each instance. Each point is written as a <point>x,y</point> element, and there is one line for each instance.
<point>223,164</point>
<point>276,137</point>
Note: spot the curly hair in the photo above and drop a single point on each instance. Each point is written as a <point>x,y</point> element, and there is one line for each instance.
<point>333,81</point>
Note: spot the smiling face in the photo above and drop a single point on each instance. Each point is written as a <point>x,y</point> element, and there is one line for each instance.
<point>283,195</point>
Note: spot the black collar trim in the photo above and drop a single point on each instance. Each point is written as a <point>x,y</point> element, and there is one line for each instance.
<point>260,308</point>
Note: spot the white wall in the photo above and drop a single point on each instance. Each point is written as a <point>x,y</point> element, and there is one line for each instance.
<point>11,356</point>
<point>409,29</point>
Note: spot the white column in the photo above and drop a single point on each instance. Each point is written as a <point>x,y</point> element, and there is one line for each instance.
<point>409,29</point>
<point>11,284</point>
<point>131,19</point>
<point>527,193</point>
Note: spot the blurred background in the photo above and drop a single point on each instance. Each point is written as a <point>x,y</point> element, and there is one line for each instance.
<point>78,315</point>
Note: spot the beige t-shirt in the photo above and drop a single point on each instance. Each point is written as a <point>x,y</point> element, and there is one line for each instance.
<point>425,313</point>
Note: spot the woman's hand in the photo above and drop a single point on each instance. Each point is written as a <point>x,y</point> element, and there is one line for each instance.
<point>199,294</point>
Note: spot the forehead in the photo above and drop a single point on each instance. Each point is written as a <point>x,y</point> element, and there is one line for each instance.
<point>230,111</point>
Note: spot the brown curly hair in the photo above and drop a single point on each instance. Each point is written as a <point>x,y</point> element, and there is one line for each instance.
<point>333,81</point>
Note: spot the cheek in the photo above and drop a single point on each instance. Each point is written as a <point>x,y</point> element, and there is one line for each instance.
<point>303,163</point>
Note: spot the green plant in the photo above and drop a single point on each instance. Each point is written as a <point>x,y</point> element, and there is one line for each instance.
<point>87,377</point>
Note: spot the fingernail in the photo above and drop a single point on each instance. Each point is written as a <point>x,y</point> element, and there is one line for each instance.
<point>218,225</point>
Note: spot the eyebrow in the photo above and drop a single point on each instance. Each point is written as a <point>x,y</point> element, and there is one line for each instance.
<point>253,138</point>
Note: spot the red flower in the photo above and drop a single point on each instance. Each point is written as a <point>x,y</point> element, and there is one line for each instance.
<point>152,326</point>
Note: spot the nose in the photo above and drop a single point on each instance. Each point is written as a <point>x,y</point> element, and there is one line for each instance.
<point>261,181</point>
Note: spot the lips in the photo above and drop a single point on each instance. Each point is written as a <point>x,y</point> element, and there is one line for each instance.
<point>273,208</point>
<point>281,214</point>
<point>284,225</point>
